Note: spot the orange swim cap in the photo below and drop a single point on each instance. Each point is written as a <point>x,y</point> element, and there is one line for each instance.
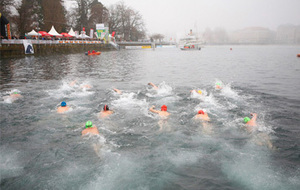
<point>200,112</point>
<point>164,108</point>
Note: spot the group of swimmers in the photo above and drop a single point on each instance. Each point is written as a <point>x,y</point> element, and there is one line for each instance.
<point>250,123</point>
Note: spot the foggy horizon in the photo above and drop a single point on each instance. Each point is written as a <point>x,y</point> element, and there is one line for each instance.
<point>175,18</point>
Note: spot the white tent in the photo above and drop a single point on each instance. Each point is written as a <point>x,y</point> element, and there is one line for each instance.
<point>83,36</point>
<point>33,33</point>
<point>71,32</point>
<point>53,32</point>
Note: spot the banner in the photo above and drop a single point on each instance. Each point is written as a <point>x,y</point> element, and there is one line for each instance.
<point>28,47</point>
<point>77,34</point>
<point>101,31</point>
<point>96,35</point>
<point>8,31</point>
<point>91,33</point>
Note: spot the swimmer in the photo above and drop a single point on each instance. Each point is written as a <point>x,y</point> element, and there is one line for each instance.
<point>197,91</point>
<point>118,91</point>
<point>250,123</point>
<point>163,124</point>
<point>73,83</point>
<point>86,86</point>
<point>260,138</point>
<point>218,85</point>
<point>105,112</point>
<point>162,113</point>
<point>12,97</point>
<point>203,116</point>
<point>63,107</point>
<point>153,85</point>
<point>89,128</point>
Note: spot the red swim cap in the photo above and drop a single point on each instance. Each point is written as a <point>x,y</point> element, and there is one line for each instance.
<point>163,108</point>
<point>200,112</point>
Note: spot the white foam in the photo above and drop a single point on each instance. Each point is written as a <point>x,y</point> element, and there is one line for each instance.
<point>9,163</point>
<point>129,101</point>
<point>229,92</point>
<point>163,90</point>
<point>65,90</point>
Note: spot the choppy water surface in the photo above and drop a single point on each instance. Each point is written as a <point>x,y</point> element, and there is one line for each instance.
<point>41,149</point>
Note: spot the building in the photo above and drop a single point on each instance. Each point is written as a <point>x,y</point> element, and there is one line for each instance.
<point>253,35</point>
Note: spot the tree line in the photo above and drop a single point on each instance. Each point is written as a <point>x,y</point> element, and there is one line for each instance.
<point>40,15</point>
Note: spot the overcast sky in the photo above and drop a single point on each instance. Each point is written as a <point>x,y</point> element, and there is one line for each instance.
<point>174,17</point>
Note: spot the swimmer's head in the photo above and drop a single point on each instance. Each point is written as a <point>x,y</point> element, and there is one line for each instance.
<point>200,112</point>
<point>16,93</point>
<point>164,108</point>
<point>88,124</point>
<point>218,84</point>
<point>105,107</point>
<point>246,119</point>
<point>199,92</point>
<point>63,104</point>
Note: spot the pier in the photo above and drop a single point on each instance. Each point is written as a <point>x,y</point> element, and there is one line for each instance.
<point>15,47</point>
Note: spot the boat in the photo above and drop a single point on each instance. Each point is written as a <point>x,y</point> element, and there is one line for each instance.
<point>190,42</point>
<point>93,53</point>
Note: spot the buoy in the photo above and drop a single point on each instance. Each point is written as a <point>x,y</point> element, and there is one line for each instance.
<point>230,48</point>
<point>298,55</point>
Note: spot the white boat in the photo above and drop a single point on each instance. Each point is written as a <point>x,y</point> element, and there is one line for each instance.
<point>190,42</point>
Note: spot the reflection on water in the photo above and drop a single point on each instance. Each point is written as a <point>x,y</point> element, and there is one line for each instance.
<point>41,149</point>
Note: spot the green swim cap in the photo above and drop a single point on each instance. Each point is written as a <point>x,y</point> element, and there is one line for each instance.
<point>88,124</point>
<point>218,83</point>
<point>246,119</point>
<point>15,92</point>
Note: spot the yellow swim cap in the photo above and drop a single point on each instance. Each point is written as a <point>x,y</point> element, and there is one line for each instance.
<point>199,91</point>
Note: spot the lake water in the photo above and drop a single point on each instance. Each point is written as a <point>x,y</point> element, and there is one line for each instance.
<point>41,149</point>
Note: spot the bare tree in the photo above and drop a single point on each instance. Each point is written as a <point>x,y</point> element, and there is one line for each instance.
<point>126,22</point>
<point>25,19</point>
<point>158,37</point>
<point>54,15</point>
<point>5,7</point>
<point>82,13</point>
<point>98,14</point>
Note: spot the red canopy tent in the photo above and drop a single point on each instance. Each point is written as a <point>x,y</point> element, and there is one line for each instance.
<point>45,34</point>
<point>66,35</point>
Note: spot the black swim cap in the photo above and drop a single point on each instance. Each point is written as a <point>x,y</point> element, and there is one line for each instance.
<point>105,108</point>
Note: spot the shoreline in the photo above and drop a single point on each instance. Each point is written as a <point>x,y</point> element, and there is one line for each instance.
<point>15,48</point>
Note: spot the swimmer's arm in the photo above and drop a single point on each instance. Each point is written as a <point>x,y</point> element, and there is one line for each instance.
<point>153,110</point>
<point>118,91</point>
<point>253,119</point>
<point>154,86</point>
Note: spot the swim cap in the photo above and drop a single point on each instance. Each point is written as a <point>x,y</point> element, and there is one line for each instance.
<point>105,108</point>
<point>16,93</point>
<point>199,91</point>
<point>246,119</point>
<point>200,112</point>
<point>164,108</point>
<point>63,104</point>
<point>88,124</point>
<point>219,84</point>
